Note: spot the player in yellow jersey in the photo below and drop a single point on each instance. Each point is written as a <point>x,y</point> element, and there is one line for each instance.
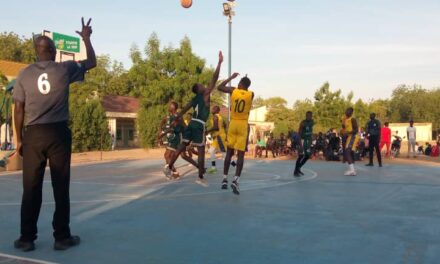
<point>238,131</point>
<point>218,133</point>
<point>350,140</point>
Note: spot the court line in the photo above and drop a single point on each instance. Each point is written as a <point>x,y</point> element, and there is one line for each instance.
<point>134,197</point>
<point>313,176</point>
<point>26,259</point>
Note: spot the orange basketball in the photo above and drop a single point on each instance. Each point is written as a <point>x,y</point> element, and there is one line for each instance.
<point>186,3</point>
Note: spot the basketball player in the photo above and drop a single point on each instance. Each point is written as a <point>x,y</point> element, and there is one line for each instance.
<point>218,137</point>
<point>241,104</point>
<point>305,133</point>
<point>173,131</point>
<point>195,132</point>
<point>351,140</point>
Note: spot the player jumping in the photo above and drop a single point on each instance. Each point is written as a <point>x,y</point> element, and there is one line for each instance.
<point>241,104</point>
<point>195,132</point>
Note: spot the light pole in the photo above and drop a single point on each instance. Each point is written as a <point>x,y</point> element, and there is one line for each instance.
<point>228,11</point>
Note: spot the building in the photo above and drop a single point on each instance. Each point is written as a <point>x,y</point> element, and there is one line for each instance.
<point>258,124</point>
<point>424,131</point>
<point>121,112</point>
<point>11,69</point>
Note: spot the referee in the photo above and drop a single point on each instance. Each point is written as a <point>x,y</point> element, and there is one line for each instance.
<point>374,135</point>
<point>41,96</point>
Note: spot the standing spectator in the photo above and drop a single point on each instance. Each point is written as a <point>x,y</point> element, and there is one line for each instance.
<point>385,138</point>
<point>271,145</point>
<point>5,135</point>
<point>113,141</point>
<point>411,133</point>
<point>373,134</point>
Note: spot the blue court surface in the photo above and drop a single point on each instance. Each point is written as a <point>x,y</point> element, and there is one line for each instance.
<point>127,212</point>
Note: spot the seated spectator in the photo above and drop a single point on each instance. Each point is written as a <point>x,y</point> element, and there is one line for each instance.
<point>261,145</point>
<point>428,149</point>
<point>420,149</point>
<point>435,152</point>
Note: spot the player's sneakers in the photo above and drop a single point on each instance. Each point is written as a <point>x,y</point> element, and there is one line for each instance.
<point>202,182</point>
<point>167,171</point>
<point>211,170</point>
<point>67,243</point>
<point>350,173</point>
<point>235,188</point>
<point>24,246</point>
<point>296,174</point>
<point>369,164</point>
<point>176,176</point>
<point>224,184</point>
<point>300,173</point>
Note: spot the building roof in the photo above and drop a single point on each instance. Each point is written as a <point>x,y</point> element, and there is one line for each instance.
<point>120,104</point>
<point>10,68</point>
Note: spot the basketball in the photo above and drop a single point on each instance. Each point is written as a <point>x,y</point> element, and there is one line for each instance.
<point>186,3</point>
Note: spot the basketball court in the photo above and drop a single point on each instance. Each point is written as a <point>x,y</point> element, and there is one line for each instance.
<point>127,212</point>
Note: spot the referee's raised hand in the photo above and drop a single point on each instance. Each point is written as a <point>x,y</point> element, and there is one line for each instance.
<point>86,31</point>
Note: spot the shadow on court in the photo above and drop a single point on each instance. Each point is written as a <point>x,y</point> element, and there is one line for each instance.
<point>126,212</point>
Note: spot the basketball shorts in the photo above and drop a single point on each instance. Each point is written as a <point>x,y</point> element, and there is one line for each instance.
<point>194,133</point>
<point>238,133</point>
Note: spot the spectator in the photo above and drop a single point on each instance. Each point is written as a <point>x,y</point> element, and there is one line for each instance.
<point>261,145</point>
<point>385,138</point>
<point>271,145</point>
<point>282,145</point>
<point>420,149</point>
<point>436,150</point>
<point>5,135</point>
<point>428,149</point>
<point>113,141</point>
<point>411,133</point>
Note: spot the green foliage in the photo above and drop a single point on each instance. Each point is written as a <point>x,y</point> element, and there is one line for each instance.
<point>163,75</point>
<point>89,126</point>
<point>148,124</point>
<point>414,102</point>
<point>16,48</point>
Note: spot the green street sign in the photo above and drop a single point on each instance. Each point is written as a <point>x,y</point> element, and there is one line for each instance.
<point>66,43</point>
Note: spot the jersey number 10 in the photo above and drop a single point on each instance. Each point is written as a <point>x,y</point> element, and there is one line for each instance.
<point>239,106</point>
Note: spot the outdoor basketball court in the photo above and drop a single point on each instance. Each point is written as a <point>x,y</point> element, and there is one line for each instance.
<point>126,212</point>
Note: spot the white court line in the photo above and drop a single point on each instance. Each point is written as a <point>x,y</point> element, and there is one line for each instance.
<point>26,259</point>
<point>128,198</point>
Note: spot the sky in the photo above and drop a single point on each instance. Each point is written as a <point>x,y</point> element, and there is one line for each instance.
<point>288,48</point>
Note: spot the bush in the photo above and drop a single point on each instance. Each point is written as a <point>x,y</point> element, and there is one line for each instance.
<point>89,126</point>
<point>148,124</point>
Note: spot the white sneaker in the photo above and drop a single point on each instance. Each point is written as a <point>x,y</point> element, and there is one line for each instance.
<point>202,182</point>
<point>350,173</point>
<point>167,171</point>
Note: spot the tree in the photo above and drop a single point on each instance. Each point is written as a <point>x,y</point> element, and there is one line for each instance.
<point>89,126</point>
<point>330,106</point>
<point>16,48</point>
<point>164,75</point>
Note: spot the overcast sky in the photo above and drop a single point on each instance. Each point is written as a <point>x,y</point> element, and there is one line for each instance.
<point>288,48</point>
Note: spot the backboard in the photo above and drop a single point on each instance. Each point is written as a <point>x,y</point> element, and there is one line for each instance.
<point>68,47</point>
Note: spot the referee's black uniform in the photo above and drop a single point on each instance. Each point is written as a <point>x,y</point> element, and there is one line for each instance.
<point>373,132</point>
<point>43,88</point>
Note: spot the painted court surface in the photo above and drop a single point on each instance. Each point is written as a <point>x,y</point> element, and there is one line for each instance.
<point>126,212</point>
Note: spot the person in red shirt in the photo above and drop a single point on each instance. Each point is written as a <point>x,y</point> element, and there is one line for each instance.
<point>385,138</point>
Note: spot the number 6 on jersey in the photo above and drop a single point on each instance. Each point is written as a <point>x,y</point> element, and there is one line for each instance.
<point>43,84</point>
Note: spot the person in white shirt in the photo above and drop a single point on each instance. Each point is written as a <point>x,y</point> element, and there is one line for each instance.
<point>412,136</point>
<point>5,136</point>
